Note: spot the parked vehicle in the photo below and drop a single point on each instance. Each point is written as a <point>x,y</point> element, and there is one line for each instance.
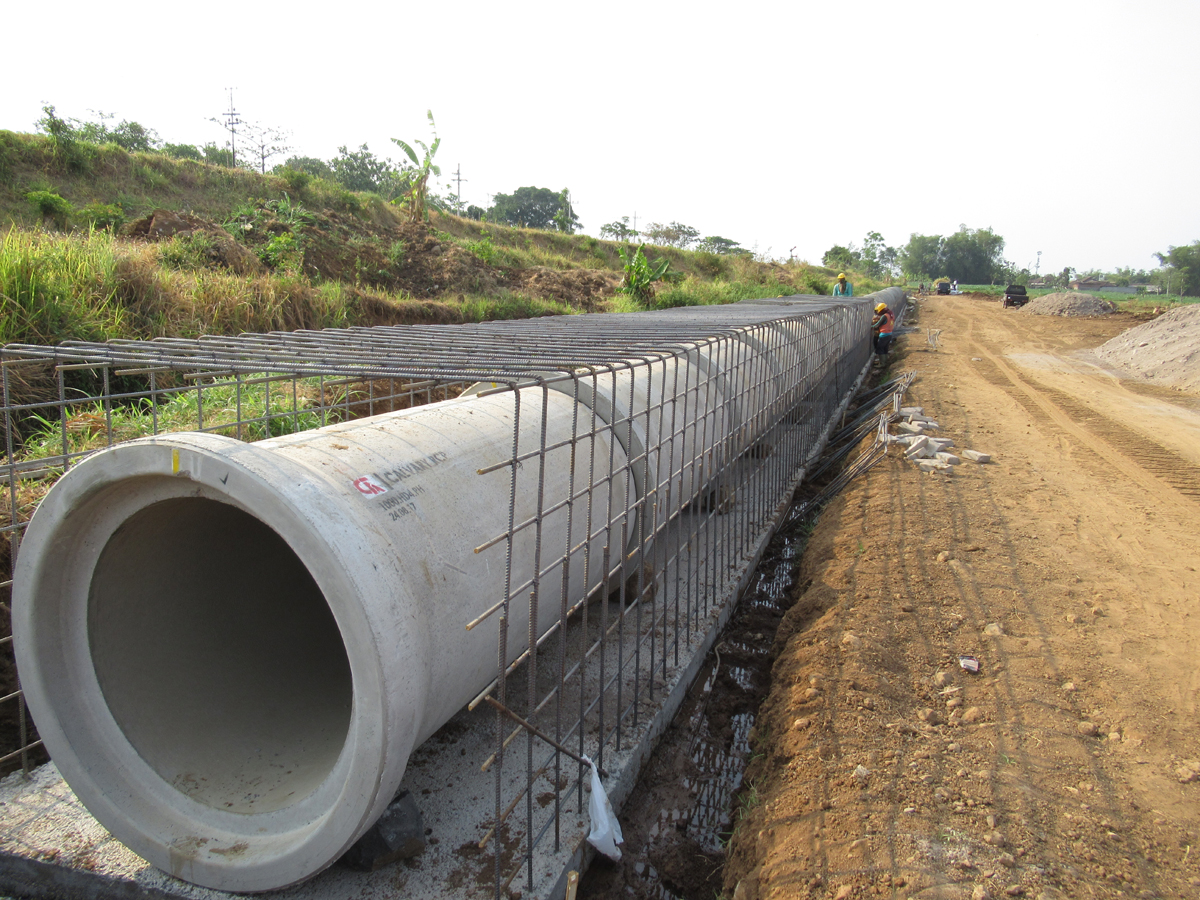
<point>943,287</point>
<point>1015,295</point>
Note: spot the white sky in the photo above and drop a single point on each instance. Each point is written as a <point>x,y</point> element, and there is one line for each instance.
<point>1068,127</point>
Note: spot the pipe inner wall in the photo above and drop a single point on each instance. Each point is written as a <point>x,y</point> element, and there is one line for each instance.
<point>223,636</point>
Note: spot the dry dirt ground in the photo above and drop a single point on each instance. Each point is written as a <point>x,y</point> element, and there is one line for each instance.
<point>1067,767</point>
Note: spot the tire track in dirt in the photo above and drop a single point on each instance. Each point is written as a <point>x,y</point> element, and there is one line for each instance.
<point>1151,456</point>
<point>1096,438</point>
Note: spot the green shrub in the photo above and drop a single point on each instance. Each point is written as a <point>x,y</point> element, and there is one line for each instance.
<point>709,264</point>
<point>395,253</point>
<point>483,249</point>
<point>282,252</point>
<point>815,283</point>
<point>296,180</point>
<point>50,206</point>
<point>102,216</point>
<point>186,252</point>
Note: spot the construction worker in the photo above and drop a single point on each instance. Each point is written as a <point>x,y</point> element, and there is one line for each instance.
<point>843,288</point>
<point>881,328</point>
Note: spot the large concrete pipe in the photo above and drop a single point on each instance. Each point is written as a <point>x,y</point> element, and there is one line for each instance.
<point>230,650</point>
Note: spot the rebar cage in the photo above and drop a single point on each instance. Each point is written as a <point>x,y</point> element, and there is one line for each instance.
<point>711,415</point>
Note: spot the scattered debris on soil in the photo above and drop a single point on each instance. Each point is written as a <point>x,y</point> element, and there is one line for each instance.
<point>1165,350</point>
<point>1067,303</point>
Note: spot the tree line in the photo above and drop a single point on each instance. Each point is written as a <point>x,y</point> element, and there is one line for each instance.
<point>969,255</point>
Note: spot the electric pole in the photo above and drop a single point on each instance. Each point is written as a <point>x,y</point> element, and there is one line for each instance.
<point>230,124</point>
<point>458,191</point>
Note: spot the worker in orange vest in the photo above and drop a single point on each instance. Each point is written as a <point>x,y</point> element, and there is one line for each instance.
<point>881,329</point>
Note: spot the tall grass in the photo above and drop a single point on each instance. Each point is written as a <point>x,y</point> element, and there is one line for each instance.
<point>55,287</point>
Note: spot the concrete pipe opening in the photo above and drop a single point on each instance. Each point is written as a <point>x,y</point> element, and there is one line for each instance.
<point>202,621</point>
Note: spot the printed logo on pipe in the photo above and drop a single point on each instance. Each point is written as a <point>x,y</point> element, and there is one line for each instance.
<point>368,486</point>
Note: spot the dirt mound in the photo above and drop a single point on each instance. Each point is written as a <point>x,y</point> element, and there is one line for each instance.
<point>220,249</point>
<point>584,288</point>
<point>1165,350</point>
<point>1069,304</point>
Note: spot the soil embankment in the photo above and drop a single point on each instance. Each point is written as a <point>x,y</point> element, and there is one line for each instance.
<point>1068,766</point>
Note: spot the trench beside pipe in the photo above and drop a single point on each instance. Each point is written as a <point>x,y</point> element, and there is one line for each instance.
<point>231,650</point>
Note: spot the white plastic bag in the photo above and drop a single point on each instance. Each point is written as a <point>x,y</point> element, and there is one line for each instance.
<point>606,830</point>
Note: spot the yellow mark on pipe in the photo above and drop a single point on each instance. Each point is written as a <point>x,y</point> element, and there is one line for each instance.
<point>174,460</point>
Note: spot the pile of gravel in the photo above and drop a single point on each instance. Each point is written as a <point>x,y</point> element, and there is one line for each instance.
<point>1165,350</point>
<point>1069,303</point>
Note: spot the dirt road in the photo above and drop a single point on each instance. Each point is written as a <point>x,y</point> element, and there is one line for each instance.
<point>1070,765</point>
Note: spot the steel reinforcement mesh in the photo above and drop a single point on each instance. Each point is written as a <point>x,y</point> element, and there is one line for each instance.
<point>613,566</point>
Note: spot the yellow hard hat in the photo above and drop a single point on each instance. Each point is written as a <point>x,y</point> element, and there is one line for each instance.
<point>841,276</point>
<point>881,307</point>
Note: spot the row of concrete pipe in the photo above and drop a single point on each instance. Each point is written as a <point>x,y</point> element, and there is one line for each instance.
<point>231,649</point>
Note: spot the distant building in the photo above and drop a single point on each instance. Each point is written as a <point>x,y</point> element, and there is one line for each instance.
<point>1090,284</point>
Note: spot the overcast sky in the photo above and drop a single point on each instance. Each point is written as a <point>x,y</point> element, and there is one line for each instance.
<point>1068,127</point>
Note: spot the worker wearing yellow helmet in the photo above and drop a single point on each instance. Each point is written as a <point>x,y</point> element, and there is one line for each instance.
<point>843,288</point>
<point>881,329</point>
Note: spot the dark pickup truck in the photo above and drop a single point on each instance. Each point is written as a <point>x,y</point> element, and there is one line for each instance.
<point>943,287</point>
<point>1015,295</point>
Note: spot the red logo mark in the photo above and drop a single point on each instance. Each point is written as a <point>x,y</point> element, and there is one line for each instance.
<point>368,486</point>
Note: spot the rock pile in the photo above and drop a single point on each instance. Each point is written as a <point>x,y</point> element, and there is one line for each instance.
<point>1165,350</point>
<point>1067,303</point>
<point>931,454</point>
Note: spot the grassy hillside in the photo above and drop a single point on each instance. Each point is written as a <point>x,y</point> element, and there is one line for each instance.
<point>99,243</point>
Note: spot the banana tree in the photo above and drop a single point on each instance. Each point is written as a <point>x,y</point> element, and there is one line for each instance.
<point>416,196</point>
<point>641,274</point>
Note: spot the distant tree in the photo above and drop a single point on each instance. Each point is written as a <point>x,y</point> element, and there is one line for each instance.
<point>1063,278</point>
<point>218,156</point>
<point>264,142</point>
<point>618,231</point>
<point>839,257</point>
<point>719,245</point>
<point>921,257</point>
<point>317,168</point>
<point>131,136</point>
<point>1184,268</point>
<point>475,212</point>
<point>876,258</point>
<point>134,137</point>
<point>182,151</point>
<point>565,219</point>
<point>361,170</point>
<point>972,256</point>
<point>675,234</point>
<point>531,207</point>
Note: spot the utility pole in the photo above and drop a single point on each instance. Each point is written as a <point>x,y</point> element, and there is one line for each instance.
<point>635,221</point>
<point>231,123</point>
<point>458,191</point>
<point>1038,266</point>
